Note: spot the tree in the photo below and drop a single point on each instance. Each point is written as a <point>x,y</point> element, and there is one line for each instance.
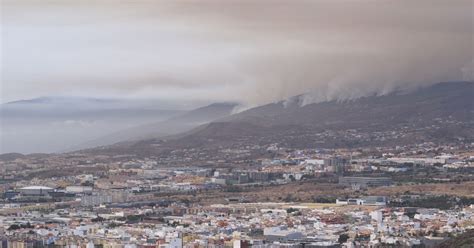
<point>14,227</point>
<point>291,210</point>
<point>343,238</point>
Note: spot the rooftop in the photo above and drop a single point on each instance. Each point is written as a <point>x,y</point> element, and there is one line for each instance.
<point>37,187</point>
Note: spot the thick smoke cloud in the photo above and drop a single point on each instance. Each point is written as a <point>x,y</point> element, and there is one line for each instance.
<point>249,51</point>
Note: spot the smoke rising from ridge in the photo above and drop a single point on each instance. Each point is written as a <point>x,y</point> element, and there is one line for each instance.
<point>249,51</point>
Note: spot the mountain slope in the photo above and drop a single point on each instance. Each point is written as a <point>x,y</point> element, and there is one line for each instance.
<point>440,100</point>
<point>465,240</point>
<point>441,113</point>
<point>175,125</point>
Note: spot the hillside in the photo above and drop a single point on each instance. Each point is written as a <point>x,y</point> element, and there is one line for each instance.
<point>465,240</point>
<point>440,113</point>
<point>443,100</point>
<point>178,124</point>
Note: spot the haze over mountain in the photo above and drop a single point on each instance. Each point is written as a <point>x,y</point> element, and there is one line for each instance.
<point>52,124</point>
<point>180,123</point>
<point>443,100</point>
<point>207,51</point>
<point>444,111</point>
<point>62,124</point>
<point>243,123</point>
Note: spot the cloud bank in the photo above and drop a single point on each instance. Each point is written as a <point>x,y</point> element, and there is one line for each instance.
<point>249,51</point>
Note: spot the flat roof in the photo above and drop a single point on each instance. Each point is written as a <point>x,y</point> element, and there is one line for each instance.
<point>37,187</point>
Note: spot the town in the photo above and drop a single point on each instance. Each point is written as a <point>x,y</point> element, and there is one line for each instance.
<point>260,196</point>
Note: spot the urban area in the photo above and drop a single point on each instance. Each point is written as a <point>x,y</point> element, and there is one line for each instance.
<point>257,196</point>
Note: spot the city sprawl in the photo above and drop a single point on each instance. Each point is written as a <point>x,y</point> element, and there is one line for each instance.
<point>256,196</point>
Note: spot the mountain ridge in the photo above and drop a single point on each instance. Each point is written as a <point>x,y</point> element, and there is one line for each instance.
<point>172,126</point>
<point>438,113</point>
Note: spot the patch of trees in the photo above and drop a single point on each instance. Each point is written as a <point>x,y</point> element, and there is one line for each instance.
<point>19,226</point>
<point>324,199</point>
<point>343,238</point>
<point>98,219</point>
<point>443,202</point>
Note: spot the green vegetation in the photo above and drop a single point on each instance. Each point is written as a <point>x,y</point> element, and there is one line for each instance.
<point>324,199</point>
<point>291,210</point>
<point>443,202</point>
<point>343,238</point>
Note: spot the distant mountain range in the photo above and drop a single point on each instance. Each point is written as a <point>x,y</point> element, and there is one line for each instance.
<point>440,113</point>
<point>83,107</point>
<point>52,124</point>
<point>175,125</point>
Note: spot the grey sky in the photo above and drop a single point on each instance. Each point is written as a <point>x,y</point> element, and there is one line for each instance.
<point>251,51</point>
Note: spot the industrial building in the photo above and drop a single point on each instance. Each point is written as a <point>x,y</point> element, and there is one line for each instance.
<point>35,191</point>
<point>365,182</point>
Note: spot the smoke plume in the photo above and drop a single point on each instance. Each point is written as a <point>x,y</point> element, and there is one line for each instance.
<point>249,51</point>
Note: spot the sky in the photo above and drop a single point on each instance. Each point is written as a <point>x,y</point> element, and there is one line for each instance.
<point>249,51</point>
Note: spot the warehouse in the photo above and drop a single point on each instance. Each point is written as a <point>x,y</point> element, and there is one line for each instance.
<point>35,191</point>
